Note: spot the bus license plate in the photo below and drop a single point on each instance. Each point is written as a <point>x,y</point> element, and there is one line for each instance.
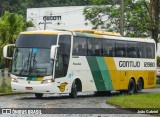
<point>29,88</point>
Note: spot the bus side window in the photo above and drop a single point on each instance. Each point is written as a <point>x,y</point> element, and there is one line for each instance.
<point>119,53</point>
<point>94,47</point>
<point>132,49</point>
<point>141,50</point>
<point>121,48</point>
<point>79,46</point>
<point>150,50</point>
<point>108,47</point>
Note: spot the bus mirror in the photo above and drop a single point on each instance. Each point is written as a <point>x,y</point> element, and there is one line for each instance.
<point>5,51</point>
<point>53,51</point>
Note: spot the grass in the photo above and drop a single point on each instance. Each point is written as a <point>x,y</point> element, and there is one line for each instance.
<point>136,101</point>
<point>151,100</point>
<point>5,88</point>
<point>158,85</point>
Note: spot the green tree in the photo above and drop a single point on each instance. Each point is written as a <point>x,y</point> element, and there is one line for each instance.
<point>154,14</point>
<point>108,17</point>
<point>11,25</point>
<point>20,7</point>
<point>137,21</point>
<point>158,61</point>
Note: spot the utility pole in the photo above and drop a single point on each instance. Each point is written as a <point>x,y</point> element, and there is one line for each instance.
<point>150,8</point>
<point>122,18</point>
<point>45,24</point>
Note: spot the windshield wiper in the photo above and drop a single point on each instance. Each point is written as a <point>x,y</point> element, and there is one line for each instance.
<point>26,63</point>
<point>34,60</point>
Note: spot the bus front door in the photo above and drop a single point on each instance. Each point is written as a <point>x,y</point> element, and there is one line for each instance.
<point>63,56</point>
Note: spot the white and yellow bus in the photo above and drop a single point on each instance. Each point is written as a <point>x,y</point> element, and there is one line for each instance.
<point>81,61</point>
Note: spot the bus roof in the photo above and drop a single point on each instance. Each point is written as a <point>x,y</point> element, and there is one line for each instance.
<point>91,33</point>
<point>109,35</point>
<point>41,32</point>
<point>98,32</point>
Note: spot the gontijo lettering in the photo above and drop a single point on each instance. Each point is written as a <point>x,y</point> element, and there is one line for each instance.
<point>129,63</point>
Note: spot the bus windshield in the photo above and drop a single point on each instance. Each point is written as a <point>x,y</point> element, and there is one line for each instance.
<point>32,62</point>
<point>32,55</point>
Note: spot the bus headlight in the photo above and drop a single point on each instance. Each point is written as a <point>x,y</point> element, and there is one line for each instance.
<point>46,81</point>
<point>14,80</point>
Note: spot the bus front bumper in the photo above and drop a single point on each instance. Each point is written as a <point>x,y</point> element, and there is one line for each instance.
<point>40,88</point>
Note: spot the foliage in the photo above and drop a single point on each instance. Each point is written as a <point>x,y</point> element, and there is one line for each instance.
<point>20,7</point>
<point>104,2</point>
<point>158,61</point>
<point>158,82</point>
<point>139,19</point>
<point>154,19</point>
<point>108,17</point>
<point>11,24</point>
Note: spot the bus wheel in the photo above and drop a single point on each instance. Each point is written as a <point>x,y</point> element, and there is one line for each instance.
<point>139,86</point>
<point>131,86</point>
<point>74,90</point>
<point>39,95</point>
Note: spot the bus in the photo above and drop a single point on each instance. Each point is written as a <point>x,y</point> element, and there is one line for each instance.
<point>68,62</point>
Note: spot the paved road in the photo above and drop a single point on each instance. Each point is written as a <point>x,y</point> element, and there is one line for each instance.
<point>86,103</point>
<point>154,90</point>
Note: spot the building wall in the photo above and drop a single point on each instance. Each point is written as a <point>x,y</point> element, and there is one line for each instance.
<point>68,18</point>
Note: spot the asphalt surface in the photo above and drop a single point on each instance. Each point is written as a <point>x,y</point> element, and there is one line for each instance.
<point>86,104</point>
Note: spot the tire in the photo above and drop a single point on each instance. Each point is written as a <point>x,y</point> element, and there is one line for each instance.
<point>139,86</point>
<point>39,95</point>
<point>131,86</point>
<point>74,91</point>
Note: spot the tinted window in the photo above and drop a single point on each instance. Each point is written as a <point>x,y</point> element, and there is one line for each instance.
<point>121,48</point>
<point>150,50</point>
<point>108,47</point>
<point>79,46</point>
<point>64,44</point>
<point>132,49</point>
<point>63,56</point>
<point>142,50</point>
<point>36,40</point>
<point>94,47</point>
<point>32,62</point>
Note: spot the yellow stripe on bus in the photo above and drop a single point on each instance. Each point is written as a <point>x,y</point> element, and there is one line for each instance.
<point>112,71</point>
<point>39,79</point>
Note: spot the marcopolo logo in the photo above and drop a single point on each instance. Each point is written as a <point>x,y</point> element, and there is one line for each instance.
<point>52,17</point>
